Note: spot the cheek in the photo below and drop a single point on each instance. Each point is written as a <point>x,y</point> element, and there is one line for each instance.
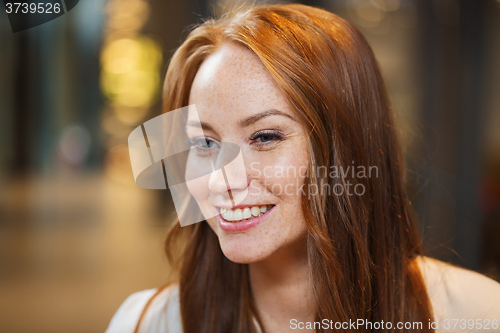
<point>283,174</point>
<point>283,178</point>
<point>198,188</point>
<point>288,185</point>
<point>197,174</point>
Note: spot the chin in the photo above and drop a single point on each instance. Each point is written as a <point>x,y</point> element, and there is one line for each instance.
<point>243,251</point>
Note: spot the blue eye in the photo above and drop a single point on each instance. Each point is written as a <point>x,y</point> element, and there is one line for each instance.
<point>266,137</point>
<point>202,142</point>
<point>203,145</point>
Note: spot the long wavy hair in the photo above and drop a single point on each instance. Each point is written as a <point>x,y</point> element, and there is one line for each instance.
<point>361,248</point>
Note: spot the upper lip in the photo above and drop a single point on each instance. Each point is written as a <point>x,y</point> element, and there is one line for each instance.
<point>246,205</point>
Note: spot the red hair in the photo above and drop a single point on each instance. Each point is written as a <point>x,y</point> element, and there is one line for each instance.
<point>361,249</point>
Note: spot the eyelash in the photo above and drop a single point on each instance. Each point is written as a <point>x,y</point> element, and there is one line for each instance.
<point>276,136</point>
<point>200,142</point>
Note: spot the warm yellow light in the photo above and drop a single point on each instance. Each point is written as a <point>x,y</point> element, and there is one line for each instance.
<point>117,50</point>
<point>140,88</point>
<point>127,15</point>
<point>121,65</point>
<point>130,68</point>
<point>130,115</point>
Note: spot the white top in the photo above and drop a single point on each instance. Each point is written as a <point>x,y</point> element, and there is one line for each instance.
<point>462,300</point>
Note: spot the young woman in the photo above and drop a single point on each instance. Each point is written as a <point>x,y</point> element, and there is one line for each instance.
<point>330,249</point>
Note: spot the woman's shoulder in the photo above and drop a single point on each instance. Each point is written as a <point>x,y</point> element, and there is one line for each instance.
<point>458,293</point>
<point>162,314</point>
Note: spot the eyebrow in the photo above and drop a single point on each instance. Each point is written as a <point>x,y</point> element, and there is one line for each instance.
<point>256,117</point>
<point>245,122</point>
<point>195,123</point>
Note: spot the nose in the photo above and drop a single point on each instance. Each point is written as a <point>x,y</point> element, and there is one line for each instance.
<point>230,175</point>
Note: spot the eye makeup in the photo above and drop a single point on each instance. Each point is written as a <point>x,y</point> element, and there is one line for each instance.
<point>265,138</point>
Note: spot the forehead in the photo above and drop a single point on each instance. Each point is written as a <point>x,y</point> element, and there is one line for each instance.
<point>234,81</point>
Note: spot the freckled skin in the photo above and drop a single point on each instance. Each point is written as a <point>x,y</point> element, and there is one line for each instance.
<point>231,85</point>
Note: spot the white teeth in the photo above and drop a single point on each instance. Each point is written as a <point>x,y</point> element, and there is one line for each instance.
<point>246,213</point>
<point>239,214</point>
<point>255,211</point>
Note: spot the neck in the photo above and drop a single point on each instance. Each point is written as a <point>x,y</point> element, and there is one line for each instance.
<point>282,288</point>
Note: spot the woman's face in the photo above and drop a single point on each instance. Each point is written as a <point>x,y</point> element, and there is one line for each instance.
<point>238,101</point>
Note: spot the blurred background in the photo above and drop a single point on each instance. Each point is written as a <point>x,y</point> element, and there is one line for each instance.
<point>77,236</point>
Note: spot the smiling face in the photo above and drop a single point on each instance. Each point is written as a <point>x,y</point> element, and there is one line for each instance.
<point>238,101</point>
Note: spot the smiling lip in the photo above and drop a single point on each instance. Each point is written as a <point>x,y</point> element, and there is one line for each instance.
<point>243,225</point>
